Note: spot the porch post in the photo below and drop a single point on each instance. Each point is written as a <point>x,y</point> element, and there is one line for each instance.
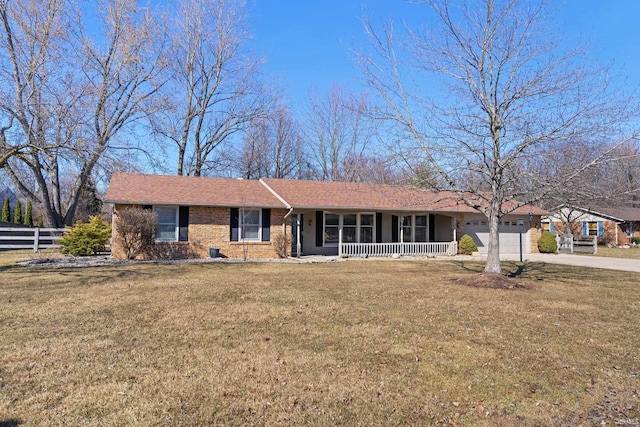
<point>339,241</point>
<point>298,239</point>
<point>454,220</point>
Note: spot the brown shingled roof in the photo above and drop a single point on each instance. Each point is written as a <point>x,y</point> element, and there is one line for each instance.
<point>129,188</point>
<point>618,213</point>
<point>188,190</point>
<point>302,194</point>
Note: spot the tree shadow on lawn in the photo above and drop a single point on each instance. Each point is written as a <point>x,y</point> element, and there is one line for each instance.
<point>53,276</point>
<point>10,423</point>
<point>514,269</point>
<point>512,277</point>
<point>101,276</point>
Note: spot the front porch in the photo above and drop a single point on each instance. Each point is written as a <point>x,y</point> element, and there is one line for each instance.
<point>373,234</point>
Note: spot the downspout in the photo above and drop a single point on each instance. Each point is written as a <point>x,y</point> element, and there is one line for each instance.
<point>284,227</point>
<point>288,213</point>
<point>285,203</point>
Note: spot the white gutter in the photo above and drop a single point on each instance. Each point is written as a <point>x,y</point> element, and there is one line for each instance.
<point>277,196</point>
<point>284,202</point>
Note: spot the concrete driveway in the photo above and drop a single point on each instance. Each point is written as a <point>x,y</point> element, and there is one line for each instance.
<point>579,261</point>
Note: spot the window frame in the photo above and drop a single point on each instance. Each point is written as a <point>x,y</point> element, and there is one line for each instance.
<point>424,227</point>
<point>341,226</point>
<point>371,227</point>
<point>242,224</point>
<point>176,223</point>
<point>325,236</point>
<point>412,227</point>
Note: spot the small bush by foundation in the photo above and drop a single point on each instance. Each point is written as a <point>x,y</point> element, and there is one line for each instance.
<point>547,243</point>
<point>467,246</point>
<point>86,238</point>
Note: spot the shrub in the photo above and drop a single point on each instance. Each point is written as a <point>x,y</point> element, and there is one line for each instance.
<point>547,243</point>
<point>281,243</point>
<point>467,246</point>
<point>635,240</point>
<point>17,213</point>
<point>40,222</point>
<point>86,238</point>
<point>28,214</point>
<point>135,229</point>
<point>6,211</point>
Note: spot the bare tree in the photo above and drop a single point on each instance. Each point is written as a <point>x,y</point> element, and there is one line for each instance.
<point>337,128</point>
<point>368,168</point>
<point>272,147</point>
<point>66,93</point>
<point>509,94</point>
<point>611,181</point>
<point>214,89</point>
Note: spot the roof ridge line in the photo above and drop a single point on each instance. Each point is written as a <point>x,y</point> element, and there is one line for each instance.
<point>272,191</point>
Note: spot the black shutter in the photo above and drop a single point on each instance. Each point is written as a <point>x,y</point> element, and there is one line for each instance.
<point>183,223</point>
<point>266,225</point>
<point>319,228</point>
<point>394,228</point>
<point>234,230</point>
<point>432,228</point>
<point>378,227</point>
<point>147,207</point>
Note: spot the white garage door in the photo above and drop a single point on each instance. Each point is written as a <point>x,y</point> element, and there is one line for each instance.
<point>509,236</point>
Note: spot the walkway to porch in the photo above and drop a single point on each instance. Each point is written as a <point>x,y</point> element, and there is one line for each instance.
<point>391,249</point>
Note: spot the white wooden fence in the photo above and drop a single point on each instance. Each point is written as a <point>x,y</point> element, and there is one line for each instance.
<point>390,249</point>
<point>30,238</point>
<point>570,243</point>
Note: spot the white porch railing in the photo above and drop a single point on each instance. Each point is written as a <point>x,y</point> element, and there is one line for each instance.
<point>390,249</point>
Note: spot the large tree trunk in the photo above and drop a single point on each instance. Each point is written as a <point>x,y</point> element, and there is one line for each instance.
<point>493,254</point>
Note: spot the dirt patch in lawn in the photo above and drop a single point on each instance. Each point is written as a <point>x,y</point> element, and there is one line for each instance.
<point>492,281</point>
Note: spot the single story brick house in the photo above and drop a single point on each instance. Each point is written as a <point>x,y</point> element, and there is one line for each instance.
<point>244,218</point>
<point>611,225</point>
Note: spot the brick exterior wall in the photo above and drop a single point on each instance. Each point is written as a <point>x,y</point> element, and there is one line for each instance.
<point>534,236</point>
<point>209,227</point>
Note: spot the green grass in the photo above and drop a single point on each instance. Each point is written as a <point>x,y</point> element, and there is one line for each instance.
<point>353,343</point>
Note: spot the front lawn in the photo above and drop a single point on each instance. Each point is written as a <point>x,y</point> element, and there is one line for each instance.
<point>627,253</point>
<point>352,343</point>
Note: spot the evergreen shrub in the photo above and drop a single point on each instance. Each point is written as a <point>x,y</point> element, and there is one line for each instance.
<point>467,246</point>
<point>86,238</point>
<point>547,243</point>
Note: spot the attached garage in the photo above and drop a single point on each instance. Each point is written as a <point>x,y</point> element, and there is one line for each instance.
<point>477,227</point>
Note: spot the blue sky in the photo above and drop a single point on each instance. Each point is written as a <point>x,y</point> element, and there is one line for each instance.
<point>305,43</point>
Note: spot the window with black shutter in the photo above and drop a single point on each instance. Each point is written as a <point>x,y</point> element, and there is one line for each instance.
<point>234,229</point>
<point>266,225</point>
<point>183,223</point>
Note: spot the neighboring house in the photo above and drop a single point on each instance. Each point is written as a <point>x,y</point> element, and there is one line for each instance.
<point>629,221</point>
<point>243,217</point>
<point>610,225</point>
